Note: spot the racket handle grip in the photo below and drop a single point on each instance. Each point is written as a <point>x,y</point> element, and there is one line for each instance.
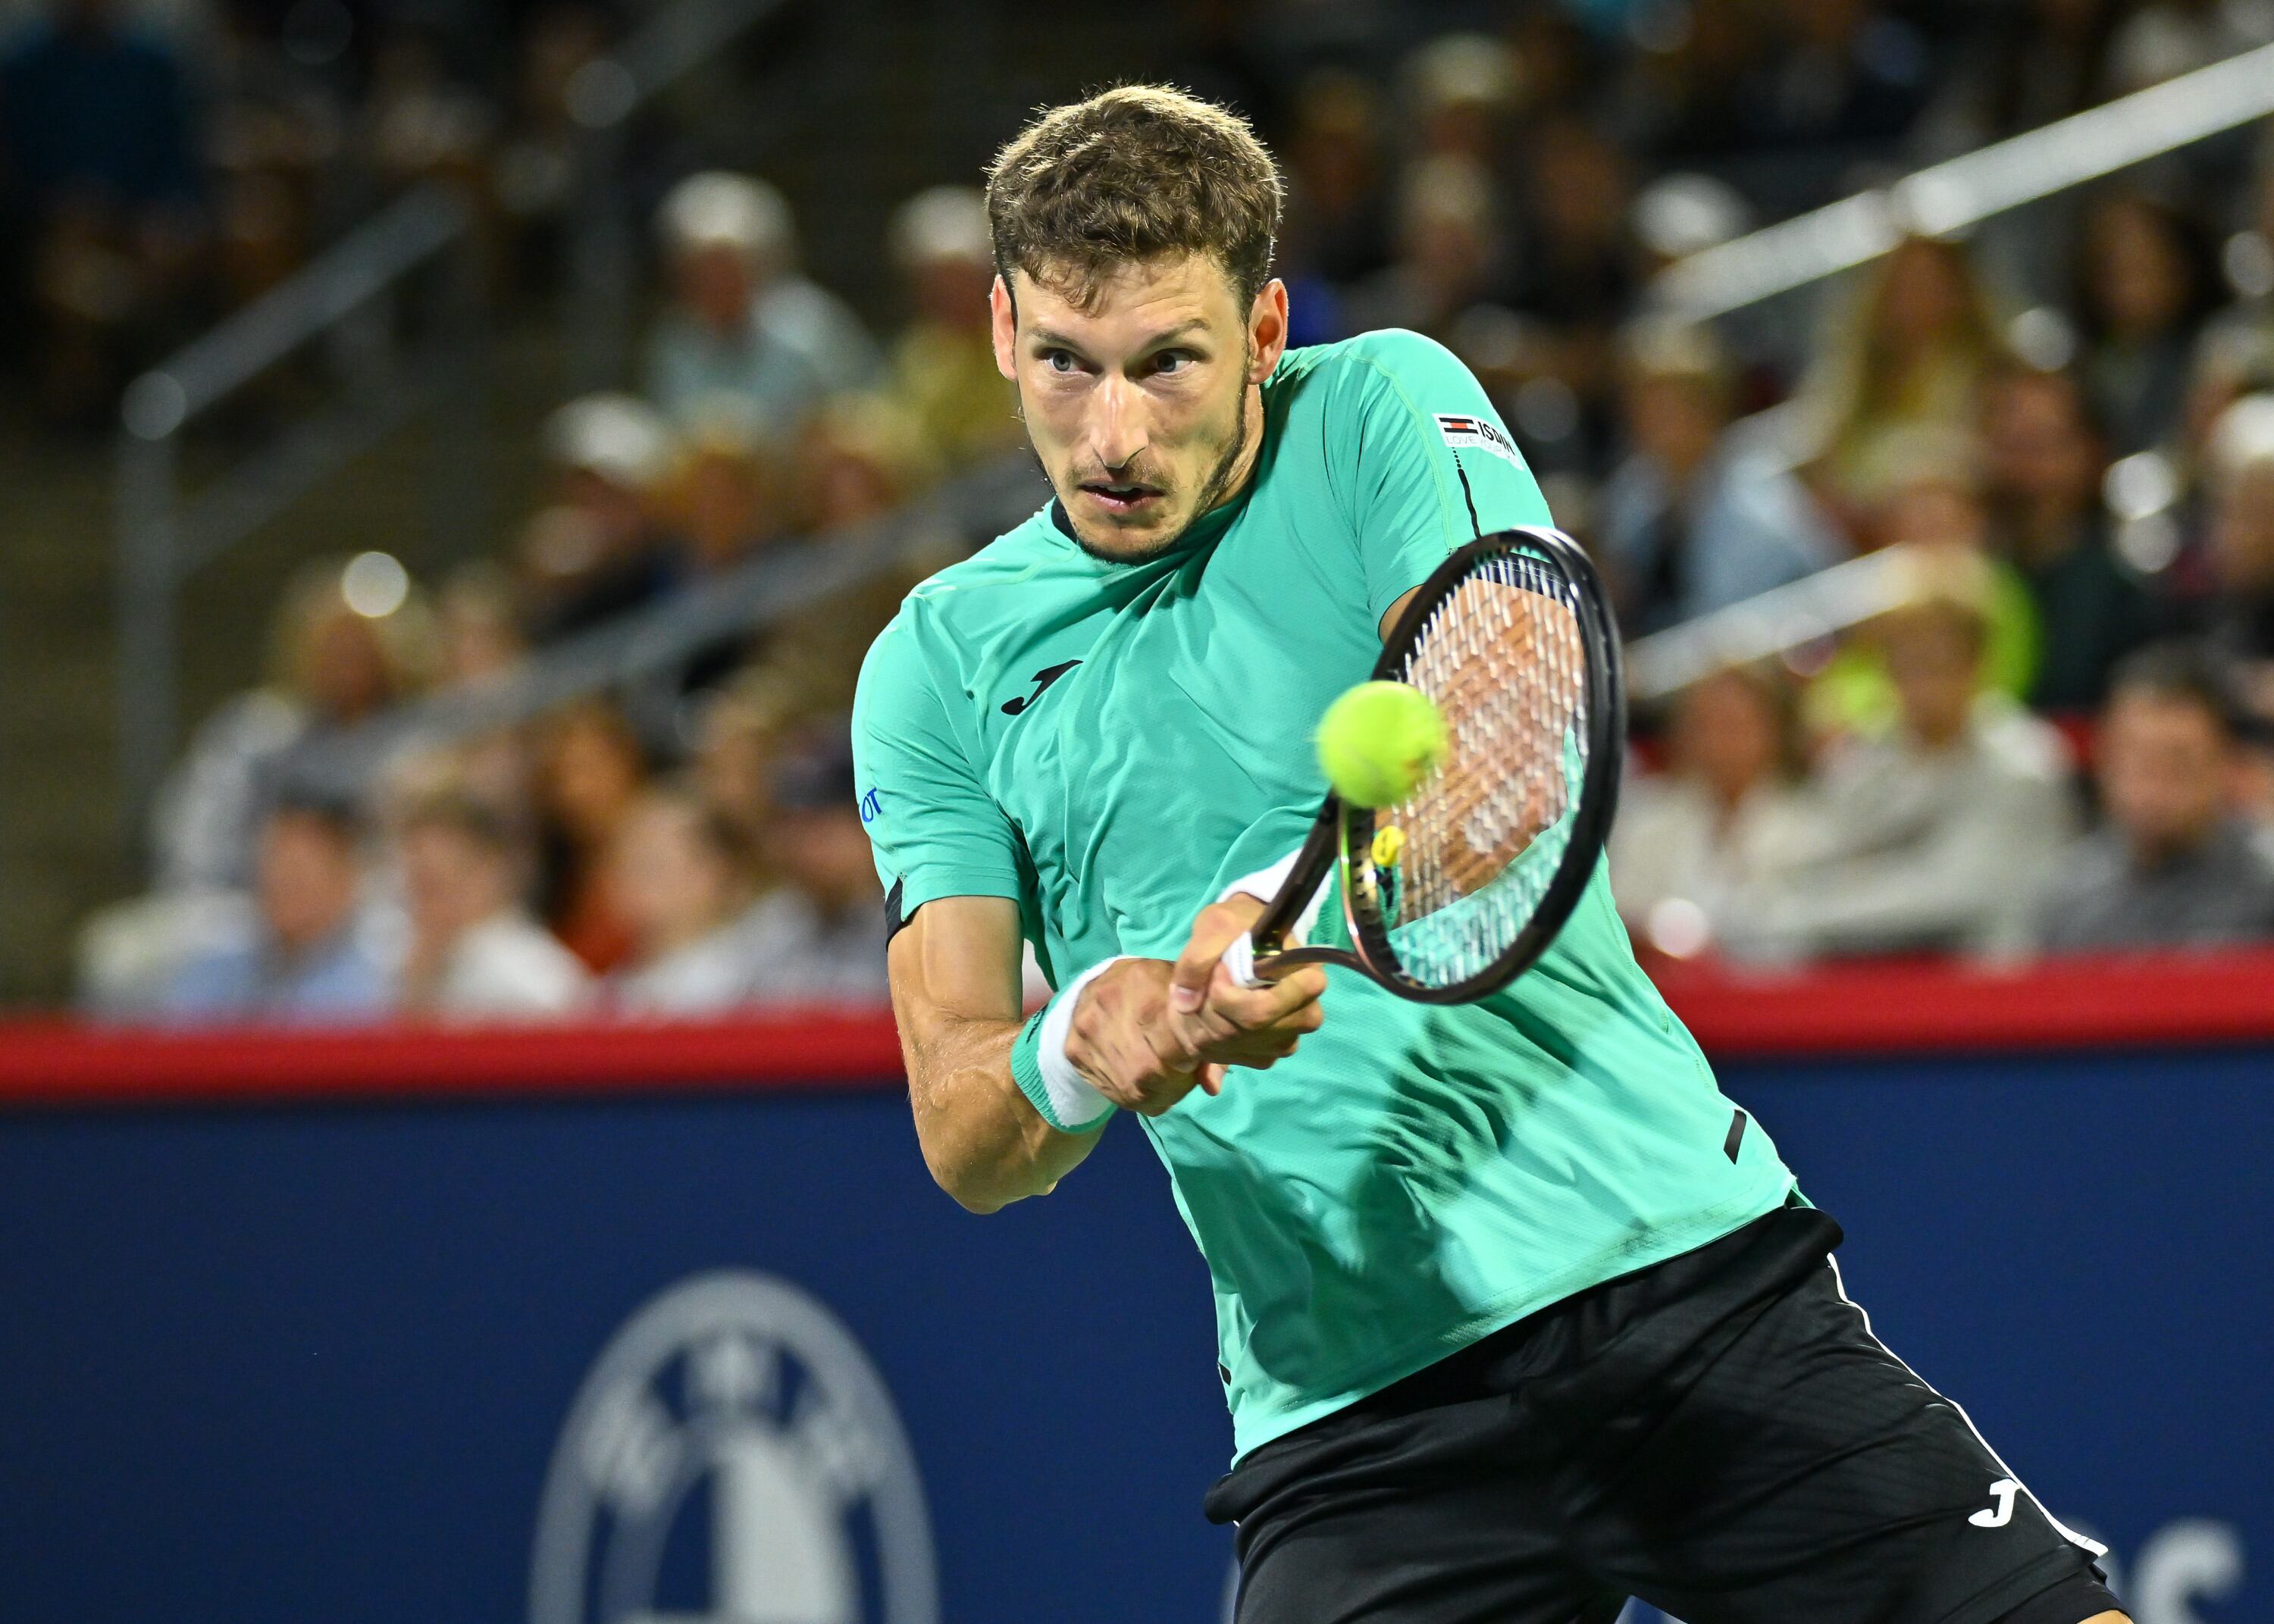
<point>1239,958</point>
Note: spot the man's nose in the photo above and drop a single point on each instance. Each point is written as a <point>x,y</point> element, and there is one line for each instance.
<point>1118,429</point>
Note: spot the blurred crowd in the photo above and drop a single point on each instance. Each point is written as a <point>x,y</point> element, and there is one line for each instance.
<point>2068,414</point>
<point>687,844</point>
<point>165,161</point>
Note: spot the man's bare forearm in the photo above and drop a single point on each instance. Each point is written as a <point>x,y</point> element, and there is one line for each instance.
<point>955,993</point>
<point>984,1143</point>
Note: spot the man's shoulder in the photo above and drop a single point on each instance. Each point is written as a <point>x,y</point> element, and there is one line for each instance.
<point>1393,374</point>
<point>1372,359</point>
<point>971,589</point>
<point>222,977</point>
<point>955,612</point>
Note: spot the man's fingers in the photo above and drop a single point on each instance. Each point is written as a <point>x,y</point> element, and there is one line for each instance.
<point>1271,1005</point>
<point>1215,928</point>
<point>1232,1011</point>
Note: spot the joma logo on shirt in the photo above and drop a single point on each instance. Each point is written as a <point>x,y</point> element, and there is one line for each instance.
<point>1476,431</point>
<point>1041,679</point>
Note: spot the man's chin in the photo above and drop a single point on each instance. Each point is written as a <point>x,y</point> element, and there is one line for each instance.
<point>1124,544</point>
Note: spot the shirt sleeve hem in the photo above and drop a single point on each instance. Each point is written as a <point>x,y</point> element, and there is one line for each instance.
<point>928,883</point>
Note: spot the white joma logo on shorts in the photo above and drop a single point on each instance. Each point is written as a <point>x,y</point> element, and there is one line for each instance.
<point>1999,1515</point>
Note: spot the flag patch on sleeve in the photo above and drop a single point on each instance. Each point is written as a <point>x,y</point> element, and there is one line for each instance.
<point>1478,434</point>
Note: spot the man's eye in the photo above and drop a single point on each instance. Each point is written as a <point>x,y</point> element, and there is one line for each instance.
<point>1173,361</point>
<point>1059,360</point>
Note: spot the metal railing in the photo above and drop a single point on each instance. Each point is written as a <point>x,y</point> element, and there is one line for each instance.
<point>785,582</point>
<point>1946,197</point>
<point>1778,620</point>
<point>1967,190</point>
<point>165,535</point>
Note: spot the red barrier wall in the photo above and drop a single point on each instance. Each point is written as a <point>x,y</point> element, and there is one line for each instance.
<point>1895,1007</point>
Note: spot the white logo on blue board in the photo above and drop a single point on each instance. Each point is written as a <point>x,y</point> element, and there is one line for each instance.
<point>734,1411</point>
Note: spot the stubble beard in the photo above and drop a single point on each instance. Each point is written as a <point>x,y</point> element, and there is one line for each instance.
<point>1213,490</point>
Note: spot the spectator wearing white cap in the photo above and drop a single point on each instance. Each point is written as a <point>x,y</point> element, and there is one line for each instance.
<point>743,321</point>
<point>598,548</point>
<point>944,361</point>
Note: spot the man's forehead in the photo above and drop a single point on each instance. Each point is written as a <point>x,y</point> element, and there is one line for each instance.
<point>1142,297</point>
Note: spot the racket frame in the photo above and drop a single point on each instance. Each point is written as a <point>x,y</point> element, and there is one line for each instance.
<point>1342,837</point>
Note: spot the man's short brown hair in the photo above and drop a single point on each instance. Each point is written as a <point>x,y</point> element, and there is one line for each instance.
<point>1135,174</point>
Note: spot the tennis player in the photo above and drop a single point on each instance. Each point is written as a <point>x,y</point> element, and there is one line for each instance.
<point>1517,1315</point>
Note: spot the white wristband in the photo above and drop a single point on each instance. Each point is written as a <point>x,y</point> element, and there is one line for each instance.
<point>1073,1101</point>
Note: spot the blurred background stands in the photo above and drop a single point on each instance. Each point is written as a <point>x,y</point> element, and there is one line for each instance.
<point>724,321</point>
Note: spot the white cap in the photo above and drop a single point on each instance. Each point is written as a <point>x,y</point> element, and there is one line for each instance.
<point>2243,442</point>
<point>942,222</point>
<point>1445,187</point>
<point>1461,70</point>
<point>1678,214</point>
<point>619,437</point>
<point>717,209</point>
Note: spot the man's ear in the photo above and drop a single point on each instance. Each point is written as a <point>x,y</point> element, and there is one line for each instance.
<point>1005,324</point>
<point>1267,330</point>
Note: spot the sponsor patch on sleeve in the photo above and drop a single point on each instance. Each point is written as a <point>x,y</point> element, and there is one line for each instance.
<point>1477,434</point>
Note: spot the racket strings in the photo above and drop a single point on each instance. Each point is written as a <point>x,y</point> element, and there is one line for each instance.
<point>1502,657</point>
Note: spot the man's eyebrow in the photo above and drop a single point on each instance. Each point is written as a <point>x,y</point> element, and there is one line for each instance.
<point>1051,336</point>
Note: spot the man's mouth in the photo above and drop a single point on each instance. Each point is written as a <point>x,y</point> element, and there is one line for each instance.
<point>1119,497</point>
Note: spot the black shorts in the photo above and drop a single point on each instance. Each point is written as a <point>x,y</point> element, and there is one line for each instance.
<point>1719,1435</point>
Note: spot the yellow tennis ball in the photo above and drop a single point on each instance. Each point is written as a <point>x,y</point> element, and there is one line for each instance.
<point>1379,740</point>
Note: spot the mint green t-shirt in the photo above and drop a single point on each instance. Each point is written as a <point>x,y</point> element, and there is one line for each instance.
<point>1111,745</point>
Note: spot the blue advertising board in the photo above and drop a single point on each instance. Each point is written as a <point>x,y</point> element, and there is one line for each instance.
<point>733,1356</point>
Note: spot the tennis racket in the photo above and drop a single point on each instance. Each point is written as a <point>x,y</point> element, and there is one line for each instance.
<point>1453,892</point>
